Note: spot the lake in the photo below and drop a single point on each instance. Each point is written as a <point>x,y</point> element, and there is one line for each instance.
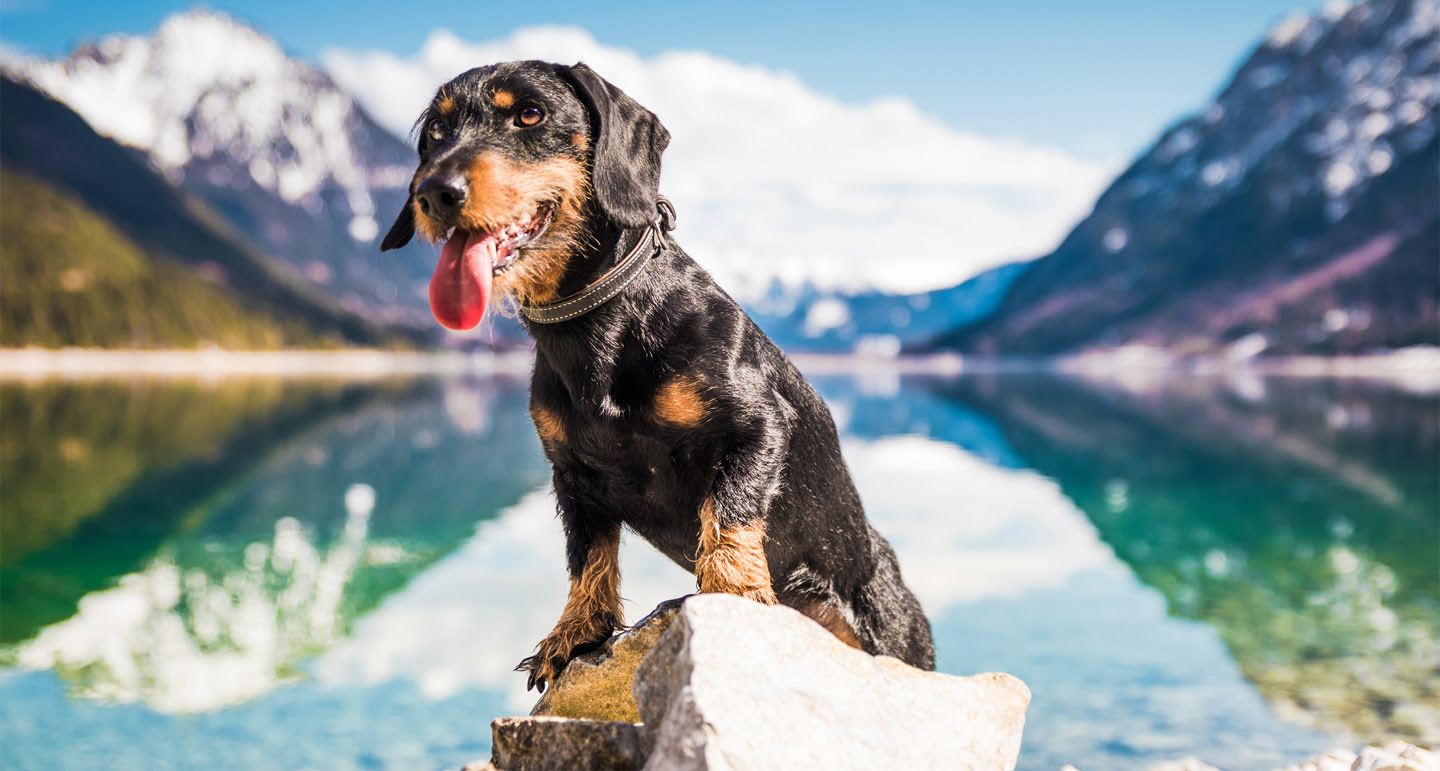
<point>289,573</point>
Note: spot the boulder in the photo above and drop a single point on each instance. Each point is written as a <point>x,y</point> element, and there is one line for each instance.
<point>723,682</point>
<point>596,686</point>
<point>732,684</point>
<point>549,743</point>
<point>1189,763</point>
<point>1393,756</point>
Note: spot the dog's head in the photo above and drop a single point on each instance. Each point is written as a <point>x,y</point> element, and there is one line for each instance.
<point>518,162</point>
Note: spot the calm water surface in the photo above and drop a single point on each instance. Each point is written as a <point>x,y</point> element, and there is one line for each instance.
<point>283,574</point>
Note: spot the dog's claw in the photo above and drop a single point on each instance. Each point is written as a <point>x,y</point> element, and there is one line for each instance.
<point>555,652</point>
<point>543,669</point>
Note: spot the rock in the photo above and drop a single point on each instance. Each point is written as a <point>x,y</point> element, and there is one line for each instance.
<point>1393,756</point>
<point>733,684</point>
<point>597,685</point>
<point>1338,759</point>
<point>728,683</point>
<point>548,743</point>
<point>1188,763</point>
<point>1396,756</point>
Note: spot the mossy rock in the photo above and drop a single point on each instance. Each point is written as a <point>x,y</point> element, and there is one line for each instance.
<point>596,686</point>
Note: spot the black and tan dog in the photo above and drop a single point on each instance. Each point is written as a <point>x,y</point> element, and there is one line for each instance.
<point>659,403</point>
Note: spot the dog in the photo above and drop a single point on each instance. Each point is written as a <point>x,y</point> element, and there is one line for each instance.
<point>658,402</point>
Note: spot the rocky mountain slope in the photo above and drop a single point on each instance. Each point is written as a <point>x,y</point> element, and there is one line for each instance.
<point>1298,213</point>
<point>47,142</point>
<point>267,141</point>
<point>876,322</point>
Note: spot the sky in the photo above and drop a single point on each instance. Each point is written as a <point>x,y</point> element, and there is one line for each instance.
<point>903,147</point>
<point>1098,79</point>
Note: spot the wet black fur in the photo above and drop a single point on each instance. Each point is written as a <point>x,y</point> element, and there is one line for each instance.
<point>767,447</point>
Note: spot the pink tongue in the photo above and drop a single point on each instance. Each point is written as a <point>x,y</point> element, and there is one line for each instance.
<point>461,284</point>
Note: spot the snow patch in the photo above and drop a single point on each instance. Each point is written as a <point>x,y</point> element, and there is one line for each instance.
<point>364,229</point>
<point>1115,240</point>
<point>1247,347</point>
<point>824,315</point>
<point>1298,30</point>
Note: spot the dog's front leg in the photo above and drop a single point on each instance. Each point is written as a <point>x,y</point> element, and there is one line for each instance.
<point>593,609</point>
<point>731,557</point>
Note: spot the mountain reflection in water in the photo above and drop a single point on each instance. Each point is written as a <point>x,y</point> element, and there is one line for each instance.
<point>341,575</point>
<point>1298,517</point>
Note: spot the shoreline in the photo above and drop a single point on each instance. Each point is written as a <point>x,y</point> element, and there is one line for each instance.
<point>1419,367</point>
<point>28,364</point>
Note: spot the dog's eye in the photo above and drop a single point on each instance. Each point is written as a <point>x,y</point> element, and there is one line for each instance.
<point>529,116</point>
<point>436,131</point>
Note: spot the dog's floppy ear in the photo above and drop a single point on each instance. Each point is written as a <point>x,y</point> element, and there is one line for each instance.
<point>403,229</point>
<point>627,140</point>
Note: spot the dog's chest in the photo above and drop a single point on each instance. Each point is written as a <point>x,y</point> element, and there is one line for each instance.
<point>633,465</point>
<point>651,479</point>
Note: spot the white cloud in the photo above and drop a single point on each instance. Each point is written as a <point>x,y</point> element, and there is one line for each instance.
<point>775,180</point>
<point>966,530</point>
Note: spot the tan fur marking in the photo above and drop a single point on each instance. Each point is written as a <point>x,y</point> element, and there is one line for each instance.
<point>580,141</point>
<point>547,424</point>
<point>503,192</point>
<point>593,604</point>
<point>732,560</point>
<point>680,401</point>
<point>504,100</point>
<point>446,105</point>
<point>830,617</point>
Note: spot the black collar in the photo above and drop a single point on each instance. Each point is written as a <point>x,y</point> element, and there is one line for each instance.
<point>614,280</point>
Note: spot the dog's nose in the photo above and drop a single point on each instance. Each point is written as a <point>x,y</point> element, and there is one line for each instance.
<point>441,197</point>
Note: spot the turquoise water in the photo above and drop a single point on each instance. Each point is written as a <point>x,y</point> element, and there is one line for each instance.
<point>268,574</point>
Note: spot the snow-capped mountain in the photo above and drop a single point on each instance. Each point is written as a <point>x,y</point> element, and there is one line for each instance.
<point>269,141</point>
<point>1299,212</point>
<point>160,240</point>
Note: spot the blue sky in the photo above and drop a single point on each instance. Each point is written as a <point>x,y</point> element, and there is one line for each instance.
<point>1097,79</point>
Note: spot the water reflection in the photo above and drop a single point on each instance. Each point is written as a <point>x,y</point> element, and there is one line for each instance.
<point>257,541</point>
<point>95,476</point>
<point>321,574</point>
<point>1299,518</point>
<point>181,639</point>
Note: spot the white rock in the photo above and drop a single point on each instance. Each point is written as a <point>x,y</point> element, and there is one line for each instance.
<point>1393,756</point>
<point>737,685</point>
<point>1396,756</point>
<point>1188,763</point>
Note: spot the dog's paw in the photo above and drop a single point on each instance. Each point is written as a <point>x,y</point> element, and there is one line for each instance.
<point>542,668</point>
<point>551,656</point>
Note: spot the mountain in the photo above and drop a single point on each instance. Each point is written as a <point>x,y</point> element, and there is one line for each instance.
<point>267,141</point>
<point>872,321</point>
<point>72,279</point>
<point>1298,213</point>
<point>44,140</point>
